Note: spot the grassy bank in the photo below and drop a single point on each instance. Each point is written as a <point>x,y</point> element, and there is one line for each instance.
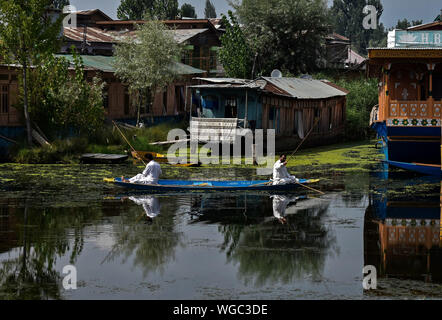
<point>348,156</point>
<point>107,140</point>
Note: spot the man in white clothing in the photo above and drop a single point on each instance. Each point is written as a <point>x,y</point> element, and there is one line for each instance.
<point>280,173</point>
<point>150,175</point>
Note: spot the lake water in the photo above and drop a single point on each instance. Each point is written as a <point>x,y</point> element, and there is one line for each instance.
<point>217,245</point>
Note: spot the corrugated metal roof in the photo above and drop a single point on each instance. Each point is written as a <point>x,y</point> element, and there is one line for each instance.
<point>105,64</point>
<point>354,57</point>
<point>92,35</point>
<point>224,80</point>
<point>182,35</point>
<point>101,63</point>
<point>305,88</point>
<point>251,85</point>
<point>184,69</point>
<point>111,36</point>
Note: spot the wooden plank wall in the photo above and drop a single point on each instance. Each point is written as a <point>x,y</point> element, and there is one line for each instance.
<point>328,109</point>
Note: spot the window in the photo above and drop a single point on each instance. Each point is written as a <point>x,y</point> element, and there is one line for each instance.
<point>231,108</point>
<point>106,96</point>
<point>165,101</point>
<point>274,119</point>
<point>4,107</point>
<point>330,118</point>
<point>179,98</point>
<point>126,101</point>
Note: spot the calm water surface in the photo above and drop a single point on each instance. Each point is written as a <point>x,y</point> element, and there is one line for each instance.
<point>218,245</point>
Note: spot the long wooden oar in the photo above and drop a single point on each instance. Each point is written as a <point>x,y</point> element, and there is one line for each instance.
<point>303,185</point>
<point>302,141</point>
<point>124,137</point>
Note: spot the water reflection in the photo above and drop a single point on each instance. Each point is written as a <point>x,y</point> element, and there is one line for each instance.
<point>149,245</point>
<point>266,251</point>
<point>150,204</point>
<point>280,203</point>
<point>35,240</point>
<point>402,234</point>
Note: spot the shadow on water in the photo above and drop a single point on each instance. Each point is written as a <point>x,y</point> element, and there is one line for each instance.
<point>269,238</point>
<point>35,239</point>
<point>403,236</point>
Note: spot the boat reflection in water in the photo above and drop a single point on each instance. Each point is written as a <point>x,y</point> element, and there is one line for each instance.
<point>402,236</point>
<point>280,204</point>
<point>266,251</point>
<point>150,204</point>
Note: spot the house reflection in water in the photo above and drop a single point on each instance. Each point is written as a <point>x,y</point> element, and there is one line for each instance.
<point>402,238</point>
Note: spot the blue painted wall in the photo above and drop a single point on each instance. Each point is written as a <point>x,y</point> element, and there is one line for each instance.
<point>213,102</point>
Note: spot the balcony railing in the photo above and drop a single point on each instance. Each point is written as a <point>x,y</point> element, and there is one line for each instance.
<point>415,109</point>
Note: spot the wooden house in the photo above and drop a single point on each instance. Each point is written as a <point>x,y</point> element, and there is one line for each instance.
<point>292,107</point>
<point>200,38</point>
<point>408,117</point>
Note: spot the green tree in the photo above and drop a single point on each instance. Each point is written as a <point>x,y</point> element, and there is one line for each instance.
<point>60,4</point>
<point>379,37</point>
<point>188,11</point>
<point>405,24</point>
<point>348,17</point>
<point>284,34</point>
<point>146,64</point>
<point>139,9</point>
<point>235,54</point>
<point>209,10</point>
<point>28,33</point>
<point>63,101</point>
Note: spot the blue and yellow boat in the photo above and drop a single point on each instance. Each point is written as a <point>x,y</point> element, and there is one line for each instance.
<point>191,185</point>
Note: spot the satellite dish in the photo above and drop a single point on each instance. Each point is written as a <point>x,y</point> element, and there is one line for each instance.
<point>276,74</point>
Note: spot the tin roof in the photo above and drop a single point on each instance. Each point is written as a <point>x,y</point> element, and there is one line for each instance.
<point>224,80</point>
<point>98,35</point>
<point>291,87</point>
<point>436,25</point>
<point>92,34</point>
<point>182,35</point>
<point>105,64</point>
<point>305,88</point>
<point>92,12</point>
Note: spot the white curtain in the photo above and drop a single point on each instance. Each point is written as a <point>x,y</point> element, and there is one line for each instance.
<point>300,124</point>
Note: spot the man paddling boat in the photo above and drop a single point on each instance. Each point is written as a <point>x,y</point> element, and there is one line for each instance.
<point>150,175</point>
<point>280,174</point>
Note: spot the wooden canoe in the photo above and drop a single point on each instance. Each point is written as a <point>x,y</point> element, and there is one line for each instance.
<point>160,158</point>
<point>186,185</point>
<point>426,169</point>
<point>98,158</point>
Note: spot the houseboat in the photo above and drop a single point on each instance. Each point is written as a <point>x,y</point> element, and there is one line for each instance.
<point>293,107</point>
<point>408,117</point>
